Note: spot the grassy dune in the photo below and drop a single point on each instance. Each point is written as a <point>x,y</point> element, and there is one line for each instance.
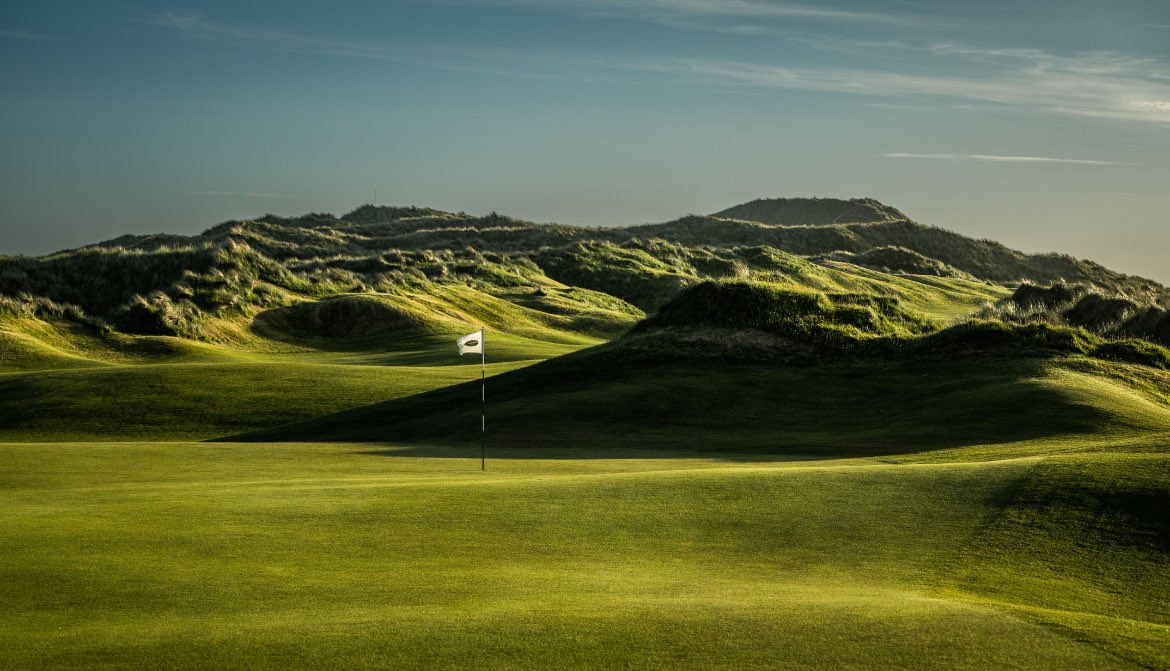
<point>64,381</point>
<point>852,407</point>
<point>240,391</point>
<point>374,556</point>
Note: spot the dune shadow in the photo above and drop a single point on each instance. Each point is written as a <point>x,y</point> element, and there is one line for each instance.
<point>585,407</point>
<point>584,453</point>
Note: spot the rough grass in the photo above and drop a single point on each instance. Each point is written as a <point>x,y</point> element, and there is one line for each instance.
<point>1111,314</point>
<point>375,556</point>
<point>832,320</point>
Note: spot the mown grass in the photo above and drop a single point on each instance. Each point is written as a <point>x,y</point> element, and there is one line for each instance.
<point>862,406</point>
<point>196,398</point>
<point>197,401</point>
<point>140,555</point>
<point>61,386</point>
<point>1084,544</point>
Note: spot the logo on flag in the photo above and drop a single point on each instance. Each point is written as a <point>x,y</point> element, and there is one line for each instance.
<point>471,343</point>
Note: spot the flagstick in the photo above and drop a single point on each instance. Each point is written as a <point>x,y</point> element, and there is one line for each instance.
<point>482,399</point>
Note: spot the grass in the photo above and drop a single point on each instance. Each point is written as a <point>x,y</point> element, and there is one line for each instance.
<point>1080,535</point>
<point>197,401</point>
<point>967,499</point>
<point>863,406</point>
<point>219,390</point>
<point>60,382</point>
<point>140,555</point>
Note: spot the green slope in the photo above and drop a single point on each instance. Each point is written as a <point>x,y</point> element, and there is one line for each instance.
<point>63,380</point>
<point>195,401</point>
<point>369,556</point>
<point>1084,545</point>
<point>858,407</point>
<point>767,366</point>
<point>224,390</point>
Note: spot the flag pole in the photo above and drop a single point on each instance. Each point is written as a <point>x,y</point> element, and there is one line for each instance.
<point>482,398</point>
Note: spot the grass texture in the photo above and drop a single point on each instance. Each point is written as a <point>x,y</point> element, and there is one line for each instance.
<point>185,555</point>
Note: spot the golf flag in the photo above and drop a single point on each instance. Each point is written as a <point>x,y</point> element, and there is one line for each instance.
<point>471,343</point>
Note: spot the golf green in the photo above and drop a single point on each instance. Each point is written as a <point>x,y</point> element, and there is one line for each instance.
<point>345,555</point>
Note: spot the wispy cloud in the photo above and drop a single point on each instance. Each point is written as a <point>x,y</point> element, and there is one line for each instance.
<point>1003,159</point>
<point>681,11</point>
<point>241,194</point>
<point>196,26</point>
<point>1092,84</point>
<point>747,18</point>
<point>1095,84</point>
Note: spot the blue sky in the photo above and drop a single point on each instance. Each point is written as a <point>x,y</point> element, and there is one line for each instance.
<point>1044,125</point>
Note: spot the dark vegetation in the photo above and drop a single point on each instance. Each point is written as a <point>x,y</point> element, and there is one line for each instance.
<point>749,320</point>
<point>1107,313</point>
<point>780,273</point>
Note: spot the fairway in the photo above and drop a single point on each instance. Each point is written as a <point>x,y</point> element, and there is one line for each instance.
<point>509,335</point>
<point>346,555</point>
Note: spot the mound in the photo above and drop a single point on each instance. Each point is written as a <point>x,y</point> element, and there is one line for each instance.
<point>708,372</point>
<point>1108,313</point>
<point>342,317</point>
<point>604,397</point>
<point>900,260</point>
<point>812,211</point>
<point>835,320</point>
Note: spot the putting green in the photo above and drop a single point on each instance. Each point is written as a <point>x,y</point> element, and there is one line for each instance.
<point>195,555</point>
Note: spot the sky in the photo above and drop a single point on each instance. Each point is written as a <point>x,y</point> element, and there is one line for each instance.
<point>1043,124</point>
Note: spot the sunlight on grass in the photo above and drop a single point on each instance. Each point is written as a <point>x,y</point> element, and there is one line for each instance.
<point>370,555</point>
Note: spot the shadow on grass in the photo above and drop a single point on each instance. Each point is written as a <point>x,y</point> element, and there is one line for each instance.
<point>584,453</point>
<point>588,403</point>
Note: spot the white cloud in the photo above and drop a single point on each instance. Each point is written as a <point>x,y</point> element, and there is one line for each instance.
<point>667,11</point>
<point>1003,159</point>
<point>1094,84</point>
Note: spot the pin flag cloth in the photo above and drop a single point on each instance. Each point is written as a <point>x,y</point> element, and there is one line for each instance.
<point>471,343</point>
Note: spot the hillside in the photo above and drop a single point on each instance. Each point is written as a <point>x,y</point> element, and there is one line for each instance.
<point>717,406</point>
<point>883,376</point>
<point>946,251</point>
<point>189,287</point>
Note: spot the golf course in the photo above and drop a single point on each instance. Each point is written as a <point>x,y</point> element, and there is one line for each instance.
<point>247,451</point>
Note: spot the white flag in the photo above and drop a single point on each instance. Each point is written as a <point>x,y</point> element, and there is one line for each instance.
<point>471,343</point>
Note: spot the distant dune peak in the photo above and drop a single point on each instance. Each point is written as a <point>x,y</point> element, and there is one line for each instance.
<point>813,211</point>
